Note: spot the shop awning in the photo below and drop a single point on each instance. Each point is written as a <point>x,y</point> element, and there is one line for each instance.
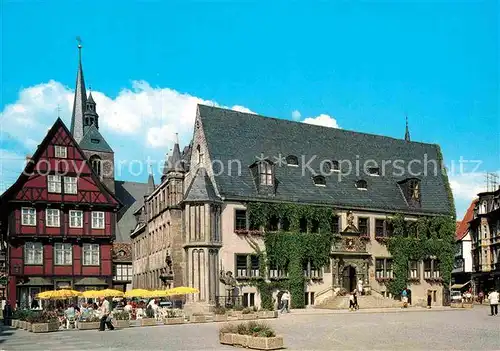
<point>459,286</point>
<point>92,281</point>
<point>36,281</point>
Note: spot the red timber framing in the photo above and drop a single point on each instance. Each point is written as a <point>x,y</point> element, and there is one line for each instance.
<point>78,213</point>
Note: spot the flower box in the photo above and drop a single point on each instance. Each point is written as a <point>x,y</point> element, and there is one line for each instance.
<point>456,305</point>
<point>197,319</point>
<point>29,326</point>
<point>364,237</point>
<point>234,313</point>
<point>88,325</point>
<point>220,318</point>
<point>22,325</point>
<point>241,340</point>
<point>252,342</point>
<point>15,323</point>
<point>262,343</point>
<point>45,327</point>
<point>467,305</point>
<point>247,316</point>
<point>148,322</point>
<point>174,320</point>
<point>383,280</point>
<point>121,323</point>
<point>267,314</point>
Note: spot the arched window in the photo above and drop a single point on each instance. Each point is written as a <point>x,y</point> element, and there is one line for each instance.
<point>361,184</point>
<point>292,160</point>
<point>319,180</point>
<point>95,163</point>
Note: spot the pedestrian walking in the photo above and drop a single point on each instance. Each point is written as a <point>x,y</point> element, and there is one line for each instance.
<point>285,299</point>
<point>493,298</point>
<point>356,306</point>
<point>429,299</point>
<point>105,313</point>
<point>404,298</point>
<point>352,305</point>
<point>481,297</point>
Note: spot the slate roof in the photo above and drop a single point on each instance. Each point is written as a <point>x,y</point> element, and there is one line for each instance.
<point>201,188</point>
<point>89,141</point>
<point>463,227</point>
<point>131,194</point>
<point>233,135</point>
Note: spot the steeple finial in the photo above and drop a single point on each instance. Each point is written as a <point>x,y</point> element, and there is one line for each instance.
<point>79,104</point>
<point>407,132</point>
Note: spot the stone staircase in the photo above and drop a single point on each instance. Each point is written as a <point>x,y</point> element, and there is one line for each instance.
<point>366,301</point>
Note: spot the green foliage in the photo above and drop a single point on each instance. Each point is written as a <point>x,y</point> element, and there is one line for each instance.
<point>427,237</point>
<point>150,313</point>
<point>220,310</point>
<point>251,328</point>
<point>121,315</point>
<point>291,249</point>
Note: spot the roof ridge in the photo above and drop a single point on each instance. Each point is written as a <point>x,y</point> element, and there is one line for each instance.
<point>315,126</point>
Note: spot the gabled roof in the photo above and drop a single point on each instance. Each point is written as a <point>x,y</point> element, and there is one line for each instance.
<point>94,141</point>
<point>29,168</point>
<point>131,194</point>
<point>463,228</point>
<point>232,135</point>
<point>201,188</point>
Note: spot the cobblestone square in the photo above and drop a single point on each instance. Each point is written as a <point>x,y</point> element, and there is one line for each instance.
<point>303,330</point>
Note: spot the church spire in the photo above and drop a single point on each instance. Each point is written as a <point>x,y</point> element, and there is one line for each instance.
<point>407,132</point>
<point>79,104</point>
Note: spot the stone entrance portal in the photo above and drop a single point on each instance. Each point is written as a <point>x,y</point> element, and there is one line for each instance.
<point>349,278</point>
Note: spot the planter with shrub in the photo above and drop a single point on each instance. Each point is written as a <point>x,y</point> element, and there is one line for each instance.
<point>197,318</point>
<point>220,314</point>
<point>266,314</point>
<point>43,322</point>
<point>121,319</point>
<point>89,323</point>
<point>252,335</point>
<point>247,314</point>
<point>150,319</point>
<point>174,316</point>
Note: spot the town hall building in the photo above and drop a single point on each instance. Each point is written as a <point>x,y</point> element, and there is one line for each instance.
<point>195,227</point>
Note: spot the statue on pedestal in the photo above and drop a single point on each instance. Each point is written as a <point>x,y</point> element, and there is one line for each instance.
<point>230,286</point>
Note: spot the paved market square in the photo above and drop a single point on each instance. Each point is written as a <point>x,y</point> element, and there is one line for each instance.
<point>303,330</point>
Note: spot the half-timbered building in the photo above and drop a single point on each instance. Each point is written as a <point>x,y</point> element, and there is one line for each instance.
<point>59,219</point>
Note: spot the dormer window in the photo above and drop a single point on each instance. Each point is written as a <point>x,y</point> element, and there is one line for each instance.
<point>266,173</point>
<point>374,171</point>
<point>292,160</point>
<point>335,166</point>
<point>361,185</point>
<point>411,191</point>
<point>319,180</point>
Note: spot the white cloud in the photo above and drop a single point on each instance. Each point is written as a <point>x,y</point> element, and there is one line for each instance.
<point>242,109</point>
<point>296,115</point>
<point>11,166</point>
<point>322,120</point>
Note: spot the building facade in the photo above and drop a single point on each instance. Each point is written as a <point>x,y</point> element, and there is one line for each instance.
<point>60,222</point>
<point>485,232</point>
<point>462,269</point>
<point>198,222</point>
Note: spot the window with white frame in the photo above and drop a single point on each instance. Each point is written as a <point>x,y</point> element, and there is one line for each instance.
<point>63,253</point>
<point>123,272</point>
<point>28,216</point>
<point>413,265</point>
<point>97,220</point>
<point>33,253</point>
<point>70,185</point>
<point>52,217</point>
<point>54,183</point>
<point>90,254</point>
<point>75,219</point>
<point>60,151</point>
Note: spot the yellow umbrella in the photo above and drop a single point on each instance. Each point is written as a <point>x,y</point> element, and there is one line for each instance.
<point>158,293</point>
<point>91,294</point>
<point>182,290</point>
<point>137,293</point>
<point>61,294</point>
<point>111,293</point>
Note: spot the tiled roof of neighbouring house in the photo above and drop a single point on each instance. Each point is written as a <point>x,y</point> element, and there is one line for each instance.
<point>463,228</point>
<point>233,135</point>
<point>131,194</point>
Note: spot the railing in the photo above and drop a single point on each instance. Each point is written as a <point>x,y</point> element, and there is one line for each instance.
<point>228,301</point>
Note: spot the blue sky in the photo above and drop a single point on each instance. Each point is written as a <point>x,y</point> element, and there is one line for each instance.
<point>362,65</point>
